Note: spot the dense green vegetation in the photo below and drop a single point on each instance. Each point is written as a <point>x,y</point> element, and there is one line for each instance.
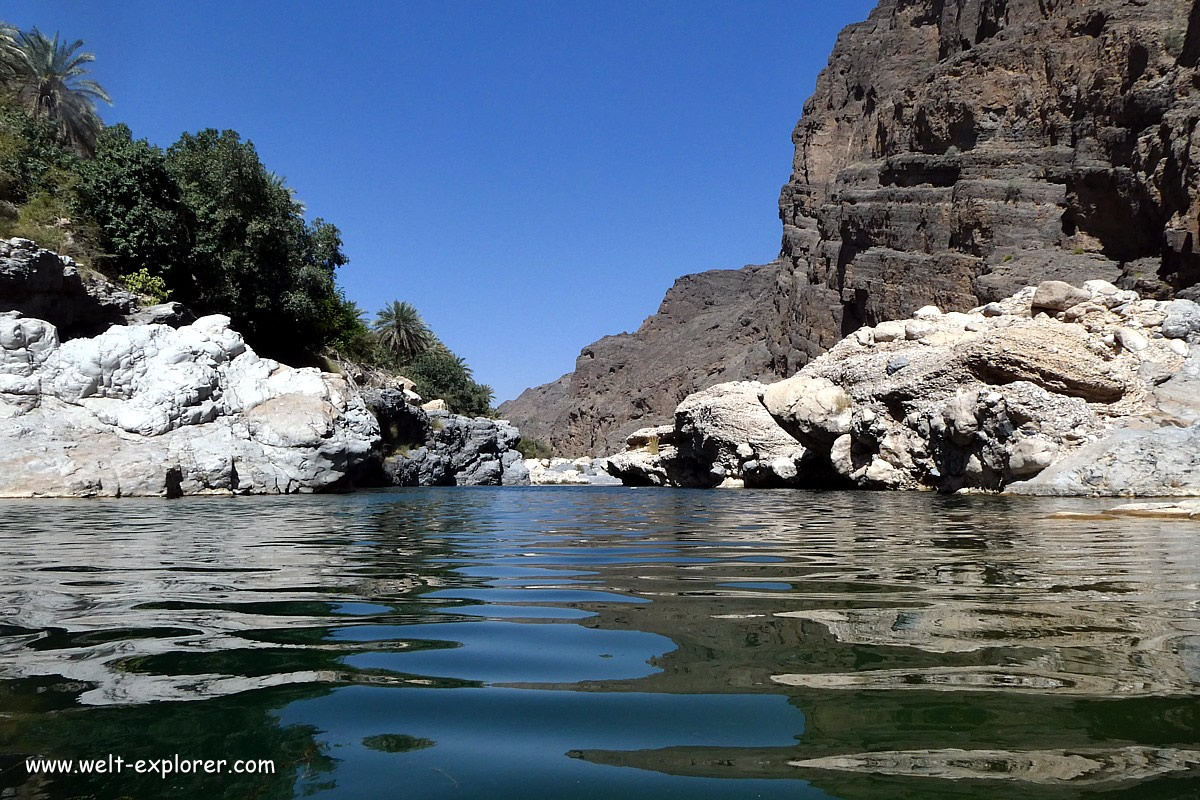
<point>203,222</point>
<point>533,448</point>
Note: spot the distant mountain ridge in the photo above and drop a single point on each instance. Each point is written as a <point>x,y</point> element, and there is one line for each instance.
<point>954,151</point>
<point>707,330</point>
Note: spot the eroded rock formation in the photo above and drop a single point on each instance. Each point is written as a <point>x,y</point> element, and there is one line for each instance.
<point>152,410</point>
<point>1102,397</point>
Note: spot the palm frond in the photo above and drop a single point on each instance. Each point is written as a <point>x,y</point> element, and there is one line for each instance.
<point>401,330</point>
<point>48,78</point>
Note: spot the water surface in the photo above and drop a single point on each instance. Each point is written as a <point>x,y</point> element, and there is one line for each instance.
<point>595,643</point>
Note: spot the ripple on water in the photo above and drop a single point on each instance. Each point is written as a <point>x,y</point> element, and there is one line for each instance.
<point>616,643</point>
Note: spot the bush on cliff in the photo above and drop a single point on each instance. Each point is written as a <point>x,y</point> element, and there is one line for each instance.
<point>438,372</point>
<point>253,255</point>
<point>138,207</point>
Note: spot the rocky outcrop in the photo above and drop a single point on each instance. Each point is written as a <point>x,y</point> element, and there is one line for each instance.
<point>144,409</point>
<point>43,285</point>
<point>722,436</point>
<point>709,329</point>
<point>955,151</point>
<point>152,410</point>
<point>425,447</point>
<point>582,471</point>
<point>1101,398</point>
<point>1156,455</point>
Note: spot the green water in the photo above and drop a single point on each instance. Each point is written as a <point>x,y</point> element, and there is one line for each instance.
<point>596,643</point>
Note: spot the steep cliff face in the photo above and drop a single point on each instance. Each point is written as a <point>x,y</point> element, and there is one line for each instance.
<point>708,330</point>
<point>953,152</point>
<point>956,150</point>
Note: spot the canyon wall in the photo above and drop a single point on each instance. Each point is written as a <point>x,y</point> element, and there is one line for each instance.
<point>953,152</point>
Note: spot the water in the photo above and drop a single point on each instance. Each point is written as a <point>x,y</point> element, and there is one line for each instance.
<point>594,643</point>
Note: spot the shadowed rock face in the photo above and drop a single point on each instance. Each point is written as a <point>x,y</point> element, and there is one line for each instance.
<point>953,152</point>
<point>708,330</point>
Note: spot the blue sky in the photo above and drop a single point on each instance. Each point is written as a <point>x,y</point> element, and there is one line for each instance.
<point>531,175</point>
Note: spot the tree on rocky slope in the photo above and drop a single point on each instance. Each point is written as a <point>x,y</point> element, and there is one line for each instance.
<point>137,205</point>
<point>402,331</point>
<point>253,255</point>
<point>48,78</point>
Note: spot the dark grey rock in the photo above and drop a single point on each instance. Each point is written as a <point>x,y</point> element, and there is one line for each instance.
<point>1183,320</point>
<point>437,448</point>
<point>175,315</point>
<point>43,285</point>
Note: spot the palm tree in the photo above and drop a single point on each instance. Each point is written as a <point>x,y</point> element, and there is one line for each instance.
<point>49,81</point>
<point>8,53</point>
<point>402,332</point>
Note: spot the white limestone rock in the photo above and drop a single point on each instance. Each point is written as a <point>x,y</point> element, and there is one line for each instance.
<point>153,410</point>
<point>1097,400</point>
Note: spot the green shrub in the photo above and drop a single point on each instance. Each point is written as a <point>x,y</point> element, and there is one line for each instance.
<point>439,373</point>
<point>147,285</point>
<point>532,448</point>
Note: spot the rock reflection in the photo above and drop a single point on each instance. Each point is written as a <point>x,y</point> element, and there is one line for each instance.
<point>945,641</point>
<point>204,576</point>
<point>1078,767</point>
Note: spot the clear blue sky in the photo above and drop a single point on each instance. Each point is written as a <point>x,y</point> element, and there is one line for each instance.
<point>531,175</point>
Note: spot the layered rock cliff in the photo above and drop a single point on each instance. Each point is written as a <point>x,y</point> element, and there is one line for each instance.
<point>956,150</point>
<point>953,152</point>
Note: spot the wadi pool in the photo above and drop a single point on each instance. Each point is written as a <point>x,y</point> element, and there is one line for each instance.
<point>597,643</point>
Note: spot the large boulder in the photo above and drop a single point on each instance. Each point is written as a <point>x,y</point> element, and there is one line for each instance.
<point>725,427</point>
<point>722,436</point>
<point>653,457</point>
<point>151,410</point>
<point>1059,296</point>
<point>1061,359</point>
<point>813,409</point>
<point>1002,395</point>
<point>436,448</point>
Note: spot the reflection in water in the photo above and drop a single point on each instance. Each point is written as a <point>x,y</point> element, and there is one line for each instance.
<point>576,642</point>
<point>1035,766</point>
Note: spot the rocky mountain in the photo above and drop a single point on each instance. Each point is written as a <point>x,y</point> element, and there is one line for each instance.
<point>709,329</point>
<point>953,152</point>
